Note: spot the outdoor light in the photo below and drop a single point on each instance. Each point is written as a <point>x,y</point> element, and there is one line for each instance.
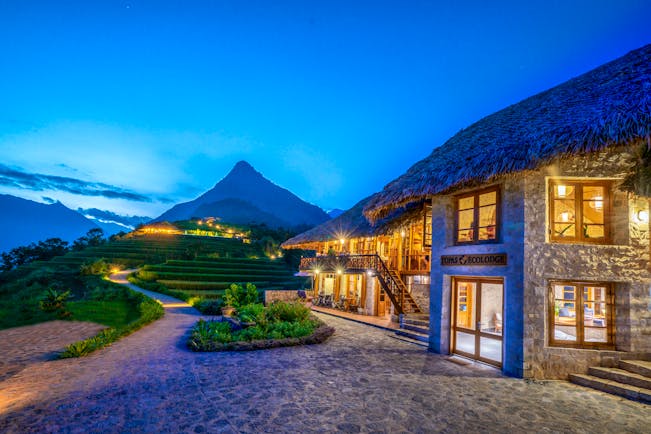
<point>316,271</point>
<point>370,272</point>
<point>342,241</point>
<point>339,271</point>
<point>402,233</point>
<point>643,216</point>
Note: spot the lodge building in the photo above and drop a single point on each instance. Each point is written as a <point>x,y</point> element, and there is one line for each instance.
<point>379,269</point>
<point>537,237</point>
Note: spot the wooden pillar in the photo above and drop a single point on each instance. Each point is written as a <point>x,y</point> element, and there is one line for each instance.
<point>317,283</point>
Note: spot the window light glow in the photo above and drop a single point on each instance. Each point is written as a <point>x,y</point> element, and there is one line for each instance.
<point>643,216</point>
<point>561,190</point>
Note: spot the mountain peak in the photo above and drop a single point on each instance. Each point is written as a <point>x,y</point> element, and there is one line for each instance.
<point>272,204</point>
<point>243,168</point>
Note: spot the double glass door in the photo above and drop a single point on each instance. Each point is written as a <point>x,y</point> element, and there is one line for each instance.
<point>477,324</point>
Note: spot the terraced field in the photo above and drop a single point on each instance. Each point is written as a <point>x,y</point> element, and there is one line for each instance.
<point>203,266</point>
<point>212,276</point>
<point>153,249</point>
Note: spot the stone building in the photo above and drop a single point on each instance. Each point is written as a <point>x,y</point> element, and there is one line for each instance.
<point>540,230</point>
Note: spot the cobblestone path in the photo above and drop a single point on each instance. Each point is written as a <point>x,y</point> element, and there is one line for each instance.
<point>361,380</point>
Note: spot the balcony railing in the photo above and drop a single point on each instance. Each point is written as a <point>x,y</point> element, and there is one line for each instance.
<point>389,279</point>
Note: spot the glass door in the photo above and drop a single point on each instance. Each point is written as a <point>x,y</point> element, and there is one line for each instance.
<point>477,319</point>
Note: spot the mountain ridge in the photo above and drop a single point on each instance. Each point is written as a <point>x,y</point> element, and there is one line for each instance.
<point>23,221</point>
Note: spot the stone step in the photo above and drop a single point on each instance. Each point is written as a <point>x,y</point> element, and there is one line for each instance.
<point>415,321</point>
<point>621,376</point>
<point>640,367</point>
<point>613,387</point>
<point>415,328</point>
<point>410,340</point>
<point>422,337</point>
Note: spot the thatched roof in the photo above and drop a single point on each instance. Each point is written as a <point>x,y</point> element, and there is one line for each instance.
<point>610,105</point>
<point>353,224</point>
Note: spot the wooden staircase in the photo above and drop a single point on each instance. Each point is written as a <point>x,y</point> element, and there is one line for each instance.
<point>631,380</point>
<point>397,289</point>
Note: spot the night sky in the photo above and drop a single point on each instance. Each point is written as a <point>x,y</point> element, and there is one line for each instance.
<point>131,106</point>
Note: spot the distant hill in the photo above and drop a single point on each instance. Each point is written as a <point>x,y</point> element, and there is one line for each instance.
<point>112,223</point>
<point>245,196</point>
<point>334,213</point>
<point>24,221</point>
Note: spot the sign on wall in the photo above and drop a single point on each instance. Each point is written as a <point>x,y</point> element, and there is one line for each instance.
<point>490,259</point>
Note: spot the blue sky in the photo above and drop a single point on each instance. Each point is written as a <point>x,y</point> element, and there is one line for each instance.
<point>130,106</point>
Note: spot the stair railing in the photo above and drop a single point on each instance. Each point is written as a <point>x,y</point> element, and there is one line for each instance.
<point>391,283</point>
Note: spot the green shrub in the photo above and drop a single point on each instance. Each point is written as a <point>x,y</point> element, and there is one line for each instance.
<point>55,302</point>
<point>206,333</point>
<point>289,312</point>
<point>99,267</point>
<point>280,324</point>
<point>209,306</point>
<point>250,312</point>
<point>236,296</point>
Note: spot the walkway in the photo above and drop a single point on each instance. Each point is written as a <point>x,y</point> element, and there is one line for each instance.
<point>376,321</point>
<point>361,380</point>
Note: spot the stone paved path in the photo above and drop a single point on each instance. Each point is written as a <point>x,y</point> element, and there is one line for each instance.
<point>361,380</point>
<point>23,346</point>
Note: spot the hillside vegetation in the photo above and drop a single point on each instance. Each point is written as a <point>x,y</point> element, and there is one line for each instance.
<point>189,267</point>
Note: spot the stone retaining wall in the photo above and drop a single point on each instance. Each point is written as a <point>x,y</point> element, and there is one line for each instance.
<point>280,295</point>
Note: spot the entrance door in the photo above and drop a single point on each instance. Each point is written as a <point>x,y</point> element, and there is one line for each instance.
<point>477,319</point>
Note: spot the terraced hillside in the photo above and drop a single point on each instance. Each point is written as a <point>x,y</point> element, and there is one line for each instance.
<point>211,276</point>
<point>153,249</point>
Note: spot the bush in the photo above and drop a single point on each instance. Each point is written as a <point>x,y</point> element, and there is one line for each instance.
<point>288,312</point>
<point>99,267</point>
<point>55,302</point>
<point>208,306</point>
<point>236,296</point>
<point>250,312</point>
<point>279,324</point>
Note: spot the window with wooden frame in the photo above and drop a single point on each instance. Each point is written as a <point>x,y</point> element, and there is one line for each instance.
<point>427,226</point>
<point>477,216</point>
<point>581,315</point>
<point>579,211</point>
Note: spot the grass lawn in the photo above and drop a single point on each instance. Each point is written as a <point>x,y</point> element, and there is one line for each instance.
<point>115,314</point>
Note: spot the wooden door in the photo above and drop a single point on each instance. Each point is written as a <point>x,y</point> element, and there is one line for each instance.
<point>477,311</point>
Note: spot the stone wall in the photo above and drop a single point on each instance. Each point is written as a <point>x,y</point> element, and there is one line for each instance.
<point>511,242</point>
<point>625,262</point>
<point>280,295</point>
<point>420,293</point>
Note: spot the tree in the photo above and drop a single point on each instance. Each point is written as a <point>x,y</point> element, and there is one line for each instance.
<point>93,238</point>
<point>43,251</point>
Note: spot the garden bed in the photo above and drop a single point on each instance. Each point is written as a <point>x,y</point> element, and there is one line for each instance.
<point>320,334</point>
<point>256,327</point>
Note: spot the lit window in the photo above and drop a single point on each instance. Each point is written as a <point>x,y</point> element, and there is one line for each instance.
<point>578,211</point>
<point>476,217</point>
<point>581,315</point>
<point>427,226</point>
